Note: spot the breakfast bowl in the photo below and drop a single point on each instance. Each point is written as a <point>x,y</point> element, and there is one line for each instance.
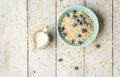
<point>77,26</point>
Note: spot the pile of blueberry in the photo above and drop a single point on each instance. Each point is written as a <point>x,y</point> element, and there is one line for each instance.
<point>79,21</point>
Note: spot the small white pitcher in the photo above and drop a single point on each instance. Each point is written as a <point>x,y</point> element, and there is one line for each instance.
<point>41,38</point>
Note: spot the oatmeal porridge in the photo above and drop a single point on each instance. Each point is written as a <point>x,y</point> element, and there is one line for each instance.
<point>76,27</point>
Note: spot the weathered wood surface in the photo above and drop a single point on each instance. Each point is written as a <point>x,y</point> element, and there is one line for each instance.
<point>71,56</point>
<point>41,62</point>
<point>2,29</point>
<point>116,38</point>
<point>98,61</point>
<point>13,38</point>
<point>20,19</point>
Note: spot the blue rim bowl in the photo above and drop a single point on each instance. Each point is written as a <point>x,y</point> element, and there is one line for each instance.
<point>93,18</point>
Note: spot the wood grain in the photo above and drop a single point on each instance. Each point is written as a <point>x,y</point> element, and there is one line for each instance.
<point>13,38</point>
<point>19,59</point>
<point>2,33</point>
<point>116,38</point>
<point>71,56</point>
<point>41,62</point>
<point>98,61</point>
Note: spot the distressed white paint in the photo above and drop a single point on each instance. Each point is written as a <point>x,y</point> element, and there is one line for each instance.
<point>71,56</point>
<point>13,37</point>
<point>98,61</point>
<point>2,30</point>
<point>41,62</point>
<point>116,38</point>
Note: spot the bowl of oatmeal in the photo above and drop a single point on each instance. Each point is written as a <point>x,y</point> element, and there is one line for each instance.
<point>78,26</point>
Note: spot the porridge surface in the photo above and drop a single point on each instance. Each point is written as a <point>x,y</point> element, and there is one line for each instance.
<point>76,27</point>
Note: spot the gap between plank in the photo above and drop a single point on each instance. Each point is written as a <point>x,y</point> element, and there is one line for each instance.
<point>84,62</point>
<point>4,45</point>
<point>27,39</point>
<point>112,40</point>
<point>85,4</point>
<point>55,34</point>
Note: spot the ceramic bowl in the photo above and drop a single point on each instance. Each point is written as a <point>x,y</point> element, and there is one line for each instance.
<point>93,18</point>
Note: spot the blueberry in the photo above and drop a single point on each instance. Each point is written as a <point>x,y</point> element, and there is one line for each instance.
<point>76,68</point>
<point>81,15</point>
<point>71,41</point>
<point>60,59</point>
<point>79,35</point>
<point>79,22</point>
<point>67,15</point>
<point>85,23</point>
<point>63,34</point>
<point>61,29</point>
<point>74,16</point>
<point>83,18</point>
<point>84,30</point>
<point>74,12</point>
<point>79,42</point>
<point>97,46</point>
<point>74,25</point>
<point>34,71</point>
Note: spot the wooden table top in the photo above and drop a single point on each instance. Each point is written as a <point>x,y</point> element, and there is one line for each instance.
<point>20,19</point>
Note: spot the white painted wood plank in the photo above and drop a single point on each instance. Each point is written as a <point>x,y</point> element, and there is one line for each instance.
<point>98,61</point>
<point>116,38</point>
<point>14,42</point>
<point>2,58</point>
<point>71,56</point>
<point>41,62</point>
<point>2,29</point>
